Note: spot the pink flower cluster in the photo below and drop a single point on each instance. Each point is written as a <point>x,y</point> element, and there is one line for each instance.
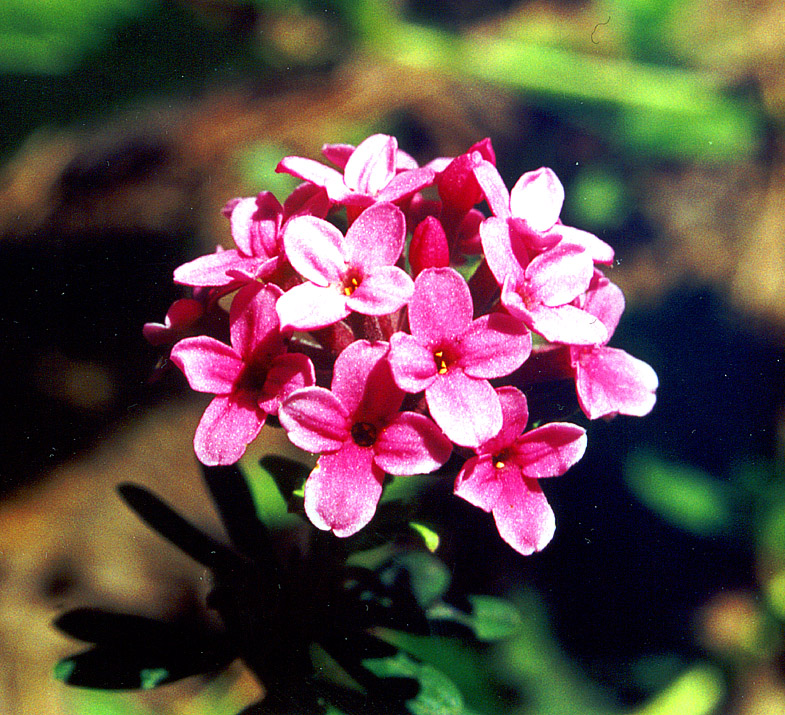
<point>380,358</point>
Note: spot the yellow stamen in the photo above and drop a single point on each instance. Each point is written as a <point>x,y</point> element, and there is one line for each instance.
<point>351,287</point>
<point>441,363</point>
<point>499,464</point>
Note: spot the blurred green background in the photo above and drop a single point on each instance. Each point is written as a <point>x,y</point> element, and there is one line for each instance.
<point>127,125</point>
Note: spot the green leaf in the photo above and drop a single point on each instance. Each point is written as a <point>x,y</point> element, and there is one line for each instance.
<point>491,618</point>
<point>682,495</point>
<point>429,578</point>
<point>429,536</point>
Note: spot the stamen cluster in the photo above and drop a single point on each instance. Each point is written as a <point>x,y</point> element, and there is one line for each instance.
<point>377,353</point>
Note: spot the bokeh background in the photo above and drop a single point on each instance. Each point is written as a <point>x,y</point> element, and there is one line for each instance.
<point>126,125</point>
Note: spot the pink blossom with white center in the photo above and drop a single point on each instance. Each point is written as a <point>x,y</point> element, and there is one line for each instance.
<point>610,381</point>
<point>249,378</point>
<point>347,273</point>
<point>530,212</point>
<point>502,478</point>
<point>370,172</point>
<point>360,433</point>
<point>452,357</point>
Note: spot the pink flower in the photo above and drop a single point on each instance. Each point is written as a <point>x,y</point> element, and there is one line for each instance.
<point>345,273</point>
<point>370,172</point>
<point>180,317</point>
<point>502,478</point>
<point>610,381</point>
<point>249,378</point>
<point>451,356</point>
<point>530,212</point>
<point>361,434</point>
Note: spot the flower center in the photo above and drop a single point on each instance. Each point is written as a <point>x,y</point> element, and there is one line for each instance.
<point>443,357</point>
<point>500,459</point>
<point>364,434</point>
<point>351,283</point>
<point>253,378</point>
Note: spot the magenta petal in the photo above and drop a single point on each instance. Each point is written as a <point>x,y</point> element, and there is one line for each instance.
<point>337,154</point>
<point>411,444</point>
<point>478,482</point>
<point>550,450</point>
<point>523,516</point>
<point>466,409</point>
<point>308,306</point>
<point>429,247</point>
<point>494,345</point>
<point>314,247</point>
<point>537,198</point>
<point>515,416</point>
<point>253,319</point>
<point>314,420</point>
<point>413,365</point>
<point>605,300</point>
<point>599,251</point>
<point>255,225</point>
<point>227,426</point>
<point>211,270</point>
<point>288,372</point>
<point>505,252</point>
<point>406,183</point>
<point>493,187</point>
<point>376,237</point>
<point>313,171</point>
<point>567,324</point>
<point>383,291</point>
<point>610,381</point>
<point>343,490</point>
<point>372,164</point>
<point>182,314</point>
<point>441,307</point>
<point>560,275</point>
<point>208,364</point>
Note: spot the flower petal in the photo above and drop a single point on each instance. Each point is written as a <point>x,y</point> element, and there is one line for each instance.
<point>493,187</point>
<point>211,270</point>
<point>411,444</point>
<point>319,174</point>
<point>599,251</point>
<point>567,324</point>
<point>523,516</point>
<point>208,364</point>
<point>288,372</point>
<point>308,306</point>
<point>255,223</point>
<point>478,482</point>
<point>383,291</point>
<point>227,426</point>
<point>494,345</point>
<point>343,490</point>
<point>413,365</point>
<point>558,276</point>
<point>441,307</point>
<point>375,238</point>
<point>372,164</point>
<point>537,198</point>
<point>605,300</point>
<point>515,415</point>
<point>504,251</point>
<point>466,409</point>
<point>550,450</point>
<point>406,183</point>
<point>253,320</point>
<point>314,247</point>
<point>314,420</point>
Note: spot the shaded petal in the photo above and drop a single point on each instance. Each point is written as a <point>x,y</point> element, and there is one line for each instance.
<point>406,183</point>
<point>599,251</point>
<point>227,426</point>
<point>337,154</point>
<point>478,482</point>
<point>383,291</point>
<point>314,247</point>
<point>411,444</point>
<point>610,381</point>
<point>515,415</point>
<point>210,270</point>
<point>567,324</point>
<point>466,409</point>
<point>307,199</point>
<point>505,253</point>
<point>413,365</point>
<point>523,516</point>
<point>255,224</point>
<point>314,420</point>
<point>605,300</point>
<point>208,364</point>
<point>493,187</point>
<point>253,320</point>
<point>182,314</point>
<point>372,164</point>
<point>441,307</point>
<point>560,275</point>
<point>288,372</point>
<point>376,237</point>
<point>319,174</point>
<point>429,247</point>
<point>494,345</point>
<point>550,450</point>
<point>537,198</point>
<point>343,490</point>
<point>308,306</point>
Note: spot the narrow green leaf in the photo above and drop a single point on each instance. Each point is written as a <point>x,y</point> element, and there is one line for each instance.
<point>429,536</point>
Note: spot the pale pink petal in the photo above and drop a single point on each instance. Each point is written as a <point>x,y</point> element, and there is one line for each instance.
<point>343,490</point>
<point>567,324</point>
<point>383,291</point>
<point>405,184</point>
<point>227,426</point>
<point>211,270</point>
<point>506,255</point>
<point>478,482</point>
<point>255,225</point>
<point>208,364</point>
<point>441,307</point>
<point>605,300</point>
<point>375,238</point>
<point>308,306</point>
<point>610,381</point>
<point>537,198</point>
<point>314,247</point>
<point>494,345</point>
<point>288,372</point>
<point>599,251</point>
<point>372,164</point>
<point>550,450</point>
<point>413,365</point>
<point>314,420</point>
<point>411,444</point>
<point>493,187</point>
<point>319,174</point>
<point>523,516</point>
<point>466,409</point>
<point>337,154</point>
<point>560,275</point>
<point>404,161</point>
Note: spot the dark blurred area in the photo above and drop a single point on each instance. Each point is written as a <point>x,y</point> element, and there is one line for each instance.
<point>128,125</point>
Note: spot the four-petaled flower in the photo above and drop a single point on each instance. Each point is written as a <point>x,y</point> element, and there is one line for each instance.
<point>360,433</point>
<point>249,378</point>
<point>451,356</point>
<point>502,478</point>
